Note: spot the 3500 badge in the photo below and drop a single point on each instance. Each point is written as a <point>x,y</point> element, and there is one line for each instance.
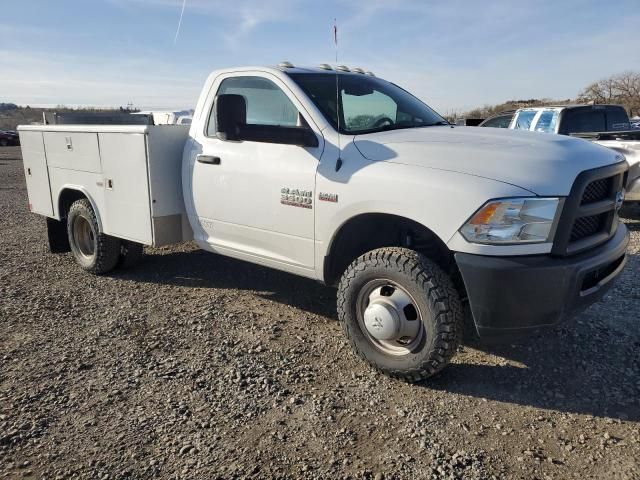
<point>296,197</point>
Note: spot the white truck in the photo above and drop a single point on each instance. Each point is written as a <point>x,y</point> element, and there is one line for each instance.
<point>343,177</point>
<point>606,125</point>
<point>167,117</point>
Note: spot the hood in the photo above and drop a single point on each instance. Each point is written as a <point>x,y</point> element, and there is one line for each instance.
<point>543,163</point>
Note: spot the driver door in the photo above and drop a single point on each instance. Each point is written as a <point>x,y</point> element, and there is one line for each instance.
<point>254,200</point>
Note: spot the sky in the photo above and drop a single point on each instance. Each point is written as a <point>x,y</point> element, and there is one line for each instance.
<point>455,54</point>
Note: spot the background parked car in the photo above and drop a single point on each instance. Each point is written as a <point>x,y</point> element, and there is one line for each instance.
<point>9,138</point>
<point>469,122</point>
<point>499,120</point>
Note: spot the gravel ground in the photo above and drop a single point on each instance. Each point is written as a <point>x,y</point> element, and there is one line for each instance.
<point>191,365</point>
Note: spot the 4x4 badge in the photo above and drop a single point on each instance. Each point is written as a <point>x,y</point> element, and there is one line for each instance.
<point>328,197</point>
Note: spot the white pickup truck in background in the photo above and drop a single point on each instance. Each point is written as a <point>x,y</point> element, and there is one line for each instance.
<point>606,125</point>
<point>168,117</point>
<point>365,188</point>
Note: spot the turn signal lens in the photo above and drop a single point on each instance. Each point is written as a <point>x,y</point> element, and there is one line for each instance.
<point>484,215</point>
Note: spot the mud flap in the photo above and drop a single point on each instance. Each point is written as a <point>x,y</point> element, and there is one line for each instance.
<point>57,235</point>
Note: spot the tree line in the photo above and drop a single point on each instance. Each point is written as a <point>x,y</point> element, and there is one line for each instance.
<point>622,89</point>
<point>12,115</point>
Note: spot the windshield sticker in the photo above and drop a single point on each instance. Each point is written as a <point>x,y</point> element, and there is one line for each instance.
<point>620,126</point>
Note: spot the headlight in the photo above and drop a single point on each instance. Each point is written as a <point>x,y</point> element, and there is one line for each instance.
<point>513,220</point>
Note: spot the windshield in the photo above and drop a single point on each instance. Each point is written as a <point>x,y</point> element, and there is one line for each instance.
<point>547,121</point>
<point>367,104</point>
<point>524,119</point>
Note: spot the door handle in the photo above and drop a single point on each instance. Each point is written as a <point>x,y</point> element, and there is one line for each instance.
<point>208,159</point>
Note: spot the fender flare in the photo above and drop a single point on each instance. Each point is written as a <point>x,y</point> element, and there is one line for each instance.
<point>83,191</point>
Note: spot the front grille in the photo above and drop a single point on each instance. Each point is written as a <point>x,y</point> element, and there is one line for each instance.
<point>589,215</point>
<point>597,191</point>
<point>587,226</point>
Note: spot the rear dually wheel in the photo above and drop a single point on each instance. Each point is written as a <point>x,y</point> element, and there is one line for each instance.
<point>92,249</point>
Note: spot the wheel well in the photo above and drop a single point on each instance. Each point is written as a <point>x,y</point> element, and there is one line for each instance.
<point>376,230</point>
<point>66,199</point>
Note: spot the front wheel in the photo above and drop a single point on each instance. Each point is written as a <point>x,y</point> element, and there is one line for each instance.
<point>93,250</point>
<point>400,312</point>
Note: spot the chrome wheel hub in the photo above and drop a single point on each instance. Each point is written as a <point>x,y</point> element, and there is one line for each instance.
<point>84,236</point>
<point>390,317</point>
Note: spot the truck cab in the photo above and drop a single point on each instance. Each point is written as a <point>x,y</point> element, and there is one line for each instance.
<point>572,119</point>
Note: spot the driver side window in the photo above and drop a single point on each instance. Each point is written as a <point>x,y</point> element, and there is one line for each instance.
<point>266,103</point>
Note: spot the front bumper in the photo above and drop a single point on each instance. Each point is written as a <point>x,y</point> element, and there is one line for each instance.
<point>512,296</point>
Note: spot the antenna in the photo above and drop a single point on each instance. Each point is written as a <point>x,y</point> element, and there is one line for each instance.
<point>335,41</point>
<point>175,39</point>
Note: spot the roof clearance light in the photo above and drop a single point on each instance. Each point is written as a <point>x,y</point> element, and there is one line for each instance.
<point>342,68</point>
<point>357,70</point>
<point>370,73</point>
<point>285,65</point>
<point>325,66</point>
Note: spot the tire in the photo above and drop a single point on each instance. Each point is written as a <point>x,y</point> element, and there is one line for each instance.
<point>395,276</point>
<point>130,253</point>
<point>93,250</point>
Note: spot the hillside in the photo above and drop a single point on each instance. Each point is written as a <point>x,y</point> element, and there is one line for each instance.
<point>12,115</point>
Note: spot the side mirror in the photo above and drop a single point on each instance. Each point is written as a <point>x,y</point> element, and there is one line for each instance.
<point>231,116</point>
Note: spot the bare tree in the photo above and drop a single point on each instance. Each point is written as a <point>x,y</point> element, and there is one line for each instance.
<point>623,89</point>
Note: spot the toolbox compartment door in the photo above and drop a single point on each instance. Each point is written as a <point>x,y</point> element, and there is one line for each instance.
<point>36,173</point>
<point>127,212</point>
<point>73,151</point>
